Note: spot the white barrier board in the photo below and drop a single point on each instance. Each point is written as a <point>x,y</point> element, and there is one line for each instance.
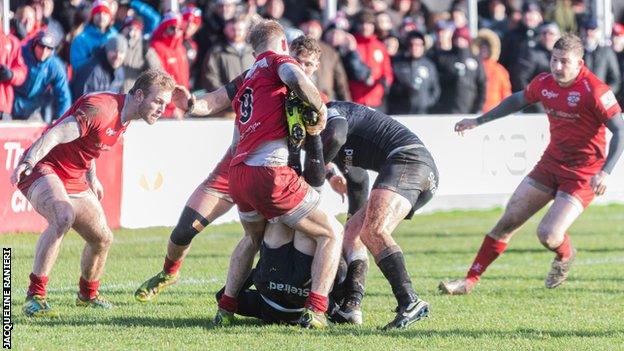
<point>164,163</point>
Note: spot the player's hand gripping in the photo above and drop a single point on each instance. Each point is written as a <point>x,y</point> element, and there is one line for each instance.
<point>23,168</point>
<point>339,184</point>
<point>181,97</point>
<point>598,182</point>
<point>465,124</point>
<point>322,121</point>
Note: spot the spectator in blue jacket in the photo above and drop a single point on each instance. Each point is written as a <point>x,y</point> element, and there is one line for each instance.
<point>46,81</point>
<point>104,71</point>
<point>95,34</point>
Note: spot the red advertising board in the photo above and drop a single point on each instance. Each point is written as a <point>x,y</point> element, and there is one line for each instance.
<point>16,213</point>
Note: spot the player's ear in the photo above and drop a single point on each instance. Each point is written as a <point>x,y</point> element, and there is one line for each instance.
<point>139,95</point>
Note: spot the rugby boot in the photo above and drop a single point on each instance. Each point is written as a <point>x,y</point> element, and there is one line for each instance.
<point>559,271</point>
<point>223,318</point>
<point>350,312</point>
<point>155,285</point>
<point>313,320</point>
<point>37,306</point>
<point>97,302</point>
<point>456,287</point>
<point>409,314</point>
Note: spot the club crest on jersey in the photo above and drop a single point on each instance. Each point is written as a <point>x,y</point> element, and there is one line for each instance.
<point>573,98</point>
<point>549,94</point>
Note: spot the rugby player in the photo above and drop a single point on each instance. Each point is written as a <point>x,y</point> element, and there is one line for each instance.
<point>211,198</point>
<point>572,170</point>
<point>361,137</point>
<point>266,188</point>
<point>57,175</point>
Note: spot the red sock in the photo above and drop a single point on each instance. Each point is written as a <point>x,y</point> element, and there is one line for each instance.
<point>171,267</point>
<point>88,290</point>
<point>317,303</point>
<point>228,303</point>
<point>37,285</point>
<point>489,251</point>
<point>564,251</point>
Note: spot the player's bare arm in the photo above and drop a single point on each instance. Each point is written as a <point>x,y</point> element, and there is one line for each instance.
<point>94,182</point>
<point>509,105</point>
<point>616,147</point>
<point>64,132</point>
<point>297,81</point>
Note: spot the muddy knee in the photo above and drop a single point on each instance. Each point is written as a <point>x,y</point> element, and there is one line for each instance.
<point>549,237</point>
<point>64,217</point>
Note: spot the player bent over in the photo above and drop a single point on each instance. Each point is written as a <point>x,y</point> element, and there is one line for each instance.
<point>57,175</point>
<point>572,170</point>
<point>262,185</point>
<point>358,136</point>
<point>282,277</point>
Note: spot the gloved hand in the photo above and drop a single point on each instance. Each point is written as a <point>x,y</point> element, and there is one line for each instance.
<point>5,73</point>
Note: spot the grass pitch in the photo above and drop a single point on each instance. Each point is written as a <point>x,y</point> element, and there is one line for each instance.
<point>510,309</point>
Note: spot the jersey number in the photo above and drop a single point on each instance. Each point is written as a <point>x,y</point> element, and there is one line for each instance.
<point>246,105</point>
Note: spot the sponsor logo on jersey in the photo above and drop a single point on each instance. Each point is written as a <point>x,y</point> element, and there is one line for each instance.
<point>289,289</point>
<point>549,94</point>
<point>608,100</point>
<point>573,98</point>
<point>561,114</point>
<point>378,55</point>
<point>348,161</point>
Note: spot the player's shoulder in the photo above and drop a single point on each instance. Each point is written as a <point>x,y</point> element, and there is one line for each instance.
<point>99,104</point>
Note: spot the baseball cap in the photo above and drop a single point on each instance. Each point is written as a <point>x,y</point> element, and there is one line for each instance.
<point>100,6</point>
<point>590,23</point>
<point>170,19</point>
<point>529,6</point>
<point>191,13</point>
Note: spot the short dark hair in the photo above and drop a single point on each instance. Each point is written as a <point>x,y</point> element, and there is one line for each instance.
<point>305,44</point>
<point>570,42</point>
<point>153,77</point>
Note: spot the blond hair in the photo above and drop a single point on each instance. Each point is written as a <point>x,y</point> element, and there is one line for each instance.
<point>153,77</point>
<point>305,45</point>
<point>262,34</point>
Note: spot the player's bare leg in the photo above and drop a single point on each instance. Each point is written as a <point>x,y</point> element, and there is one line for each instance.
<point>528,198</point>
<point>552,234</point>
<point>316,225</point>
<point>384,211</point>
<point>201,209</point>
<point>49,198</point>
<point>356,258</point>
<point>240,266</point>
<point>91,224</point>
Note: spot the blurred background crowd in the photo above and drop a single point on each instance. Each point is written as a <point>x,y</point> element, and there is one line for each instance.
<point>398,56</point>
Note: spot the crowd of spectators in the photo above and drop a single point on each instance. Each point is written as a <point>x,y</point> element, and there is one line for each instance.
<point>398,56</point>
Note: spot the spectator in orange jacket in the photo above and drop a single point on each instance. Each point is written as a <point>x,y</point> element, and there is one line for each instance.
<point>167,43</point>
<point>12,71</point>
<point>373,52</point>
<point>487,46</point>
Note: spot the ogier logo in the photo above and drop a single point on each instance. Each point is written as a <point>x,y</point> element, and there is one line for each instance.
<point>549,94</point>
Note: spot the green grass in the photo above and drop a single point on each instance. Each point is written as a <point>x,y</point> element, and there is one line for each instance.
<point>510,309</point>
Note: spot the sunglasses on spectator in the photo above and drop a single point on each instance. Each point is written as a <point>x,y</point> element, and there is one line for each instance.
<point>44,46</point>
<point>173,29</point>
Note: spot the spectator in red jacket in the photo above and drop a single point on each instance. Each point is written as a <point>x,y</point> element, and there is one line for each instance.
<point>373,52</point>
<point>12,71</point>
<point>167,43</point>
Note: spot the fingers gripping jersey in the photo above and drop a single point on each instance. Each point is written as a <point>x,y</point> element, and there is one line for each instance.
<point>577,116</point>
<point>259,105</point>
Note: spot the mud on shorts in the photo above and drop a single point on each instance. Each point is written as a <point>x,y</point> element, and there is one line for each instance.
<point>410,172</point>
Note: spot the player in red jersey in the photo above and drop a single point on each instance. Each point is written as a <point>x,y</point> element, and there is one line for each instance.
<point>262,185</point>
<point>209,201</point>
<point>572,170</point>
<point>57,175</point>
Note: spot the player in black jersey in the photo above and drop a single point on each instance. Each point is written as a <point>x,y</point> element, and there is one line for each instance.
<point>282,278</point>
<point>358,136</point>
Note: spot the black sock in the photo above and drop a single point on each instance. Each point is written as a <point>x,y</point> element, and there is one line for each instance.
<point>355,281</point>
<point>393,268</point>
